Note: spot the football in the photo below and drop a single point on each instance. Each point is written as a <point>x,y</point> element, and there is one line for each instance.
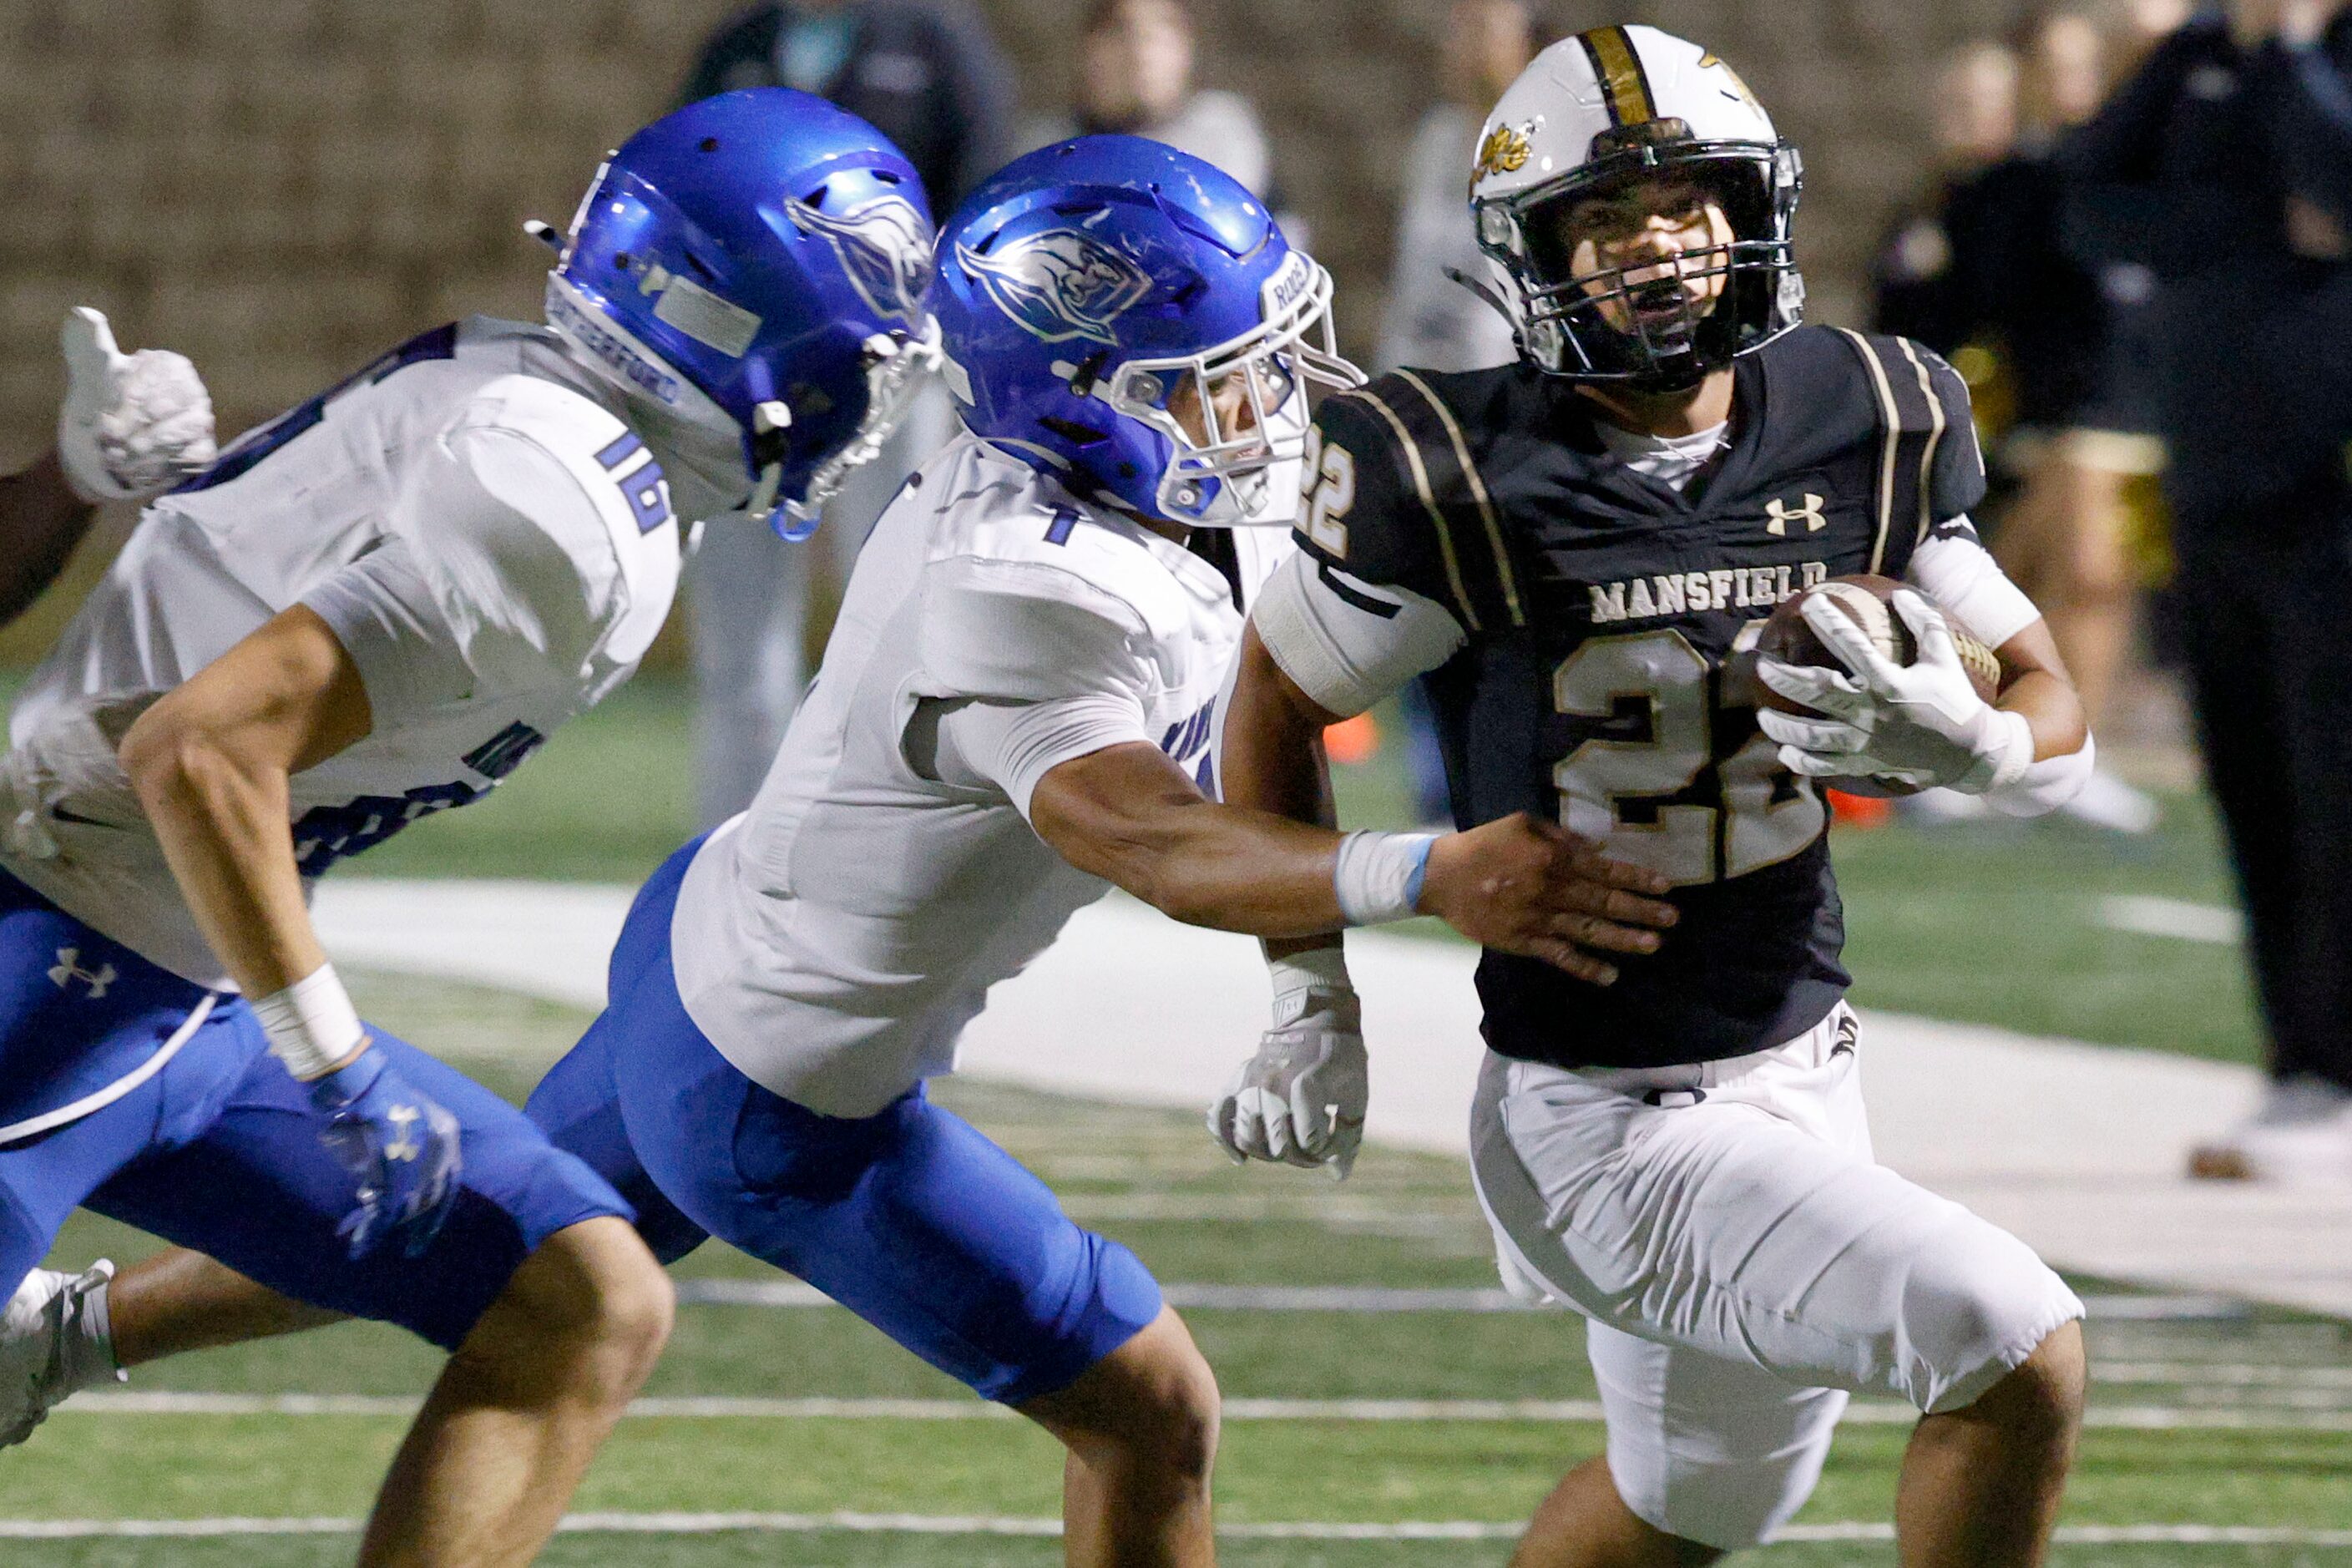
<point>1867,600</point>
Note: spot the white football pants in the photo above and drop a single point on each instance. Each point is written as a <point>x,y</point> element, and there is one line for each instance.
<point>1744,1264</point>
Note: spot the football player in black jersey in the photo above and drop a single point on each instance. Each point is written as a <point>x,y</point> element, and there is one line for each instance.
<point>1575,550</point>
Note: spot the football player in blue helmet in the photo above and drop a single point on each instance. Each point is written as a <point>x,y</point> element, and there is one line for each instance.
<point>1130,321</point>
<point>757,259</point>
<point>374,607</point>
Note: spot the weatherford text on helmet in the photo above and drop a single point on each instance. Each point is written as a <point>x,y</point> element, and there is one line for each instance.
<point>1178,331</point>
<point>1610,132</point>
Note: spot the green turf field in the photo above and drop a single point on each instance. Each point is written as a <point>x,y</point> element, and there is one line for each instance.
<point>2199,1425</point>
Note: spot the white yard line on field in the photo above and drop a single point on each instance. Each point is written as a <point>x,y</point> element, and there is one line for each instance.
<point>732,1408</point>
<point>2175,918</point>
<point>2077,1149</point>
<point>792,1294</point>
<point>1047,1528</point>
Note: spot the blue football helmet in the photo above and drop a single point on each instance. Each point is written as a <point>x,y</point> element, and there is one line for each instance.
<point>1129,319</point>
<point>766,252</point>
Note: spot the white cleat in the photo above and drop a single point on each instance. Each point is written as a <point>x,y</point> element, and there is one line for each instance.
<point>2302,1136</point>
<point>45,1346</point>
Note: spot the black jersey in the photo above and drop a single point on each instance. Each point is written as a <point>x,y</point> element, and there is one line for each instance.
<point>1601,607</point>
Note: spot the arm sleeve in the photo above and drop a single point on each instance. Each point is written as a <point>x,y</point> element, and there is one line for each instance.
<point>1960,575</point>
<point>498,575</point>
<point>1013,745</point>
<point>1346,644</point>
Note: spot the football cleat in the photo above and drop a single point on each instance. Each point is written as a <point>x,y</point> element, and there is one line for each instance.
<point>50,1348</point>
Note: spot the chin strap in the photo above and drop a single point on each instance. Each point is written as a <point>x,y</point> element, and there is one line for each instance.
<point>1486,291</point>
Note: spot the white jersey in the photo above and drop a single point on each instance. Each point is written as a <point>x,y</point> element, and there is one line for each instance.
<point>494,547</point>
<point>834,940</point>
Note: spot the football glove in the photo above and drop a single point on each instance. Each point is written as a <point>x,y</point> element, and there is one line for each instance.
<point>1921,723</point>
<point>133,425</point>
<point>1300,1099</point>
<point>400,1147</point>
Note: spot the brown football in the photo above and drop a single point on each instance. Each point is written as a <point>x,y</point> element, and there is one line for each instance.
<point>1867,601</point>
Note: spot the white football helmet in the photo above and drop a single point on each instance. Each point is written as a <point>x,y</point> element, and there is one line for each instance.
<point>1591,114</point>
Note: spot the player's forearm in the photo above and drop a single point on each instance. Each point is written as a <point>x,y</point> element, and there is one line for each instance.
<point>1202,863</point>
<point>2051,709</point>
<point>43,520</point>
<point>222,821</point>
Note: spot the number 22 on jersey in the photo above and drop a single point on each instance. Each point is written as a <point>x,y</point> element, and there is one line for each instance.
<point>1627,792</point>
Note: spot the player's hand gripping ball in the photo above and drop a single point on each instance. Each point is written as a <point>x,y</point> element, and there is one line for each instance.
<point>1852,701</point>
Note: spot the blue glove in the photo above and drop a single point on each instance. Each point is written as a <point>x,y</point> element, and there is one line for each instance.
<point>399,1146</point>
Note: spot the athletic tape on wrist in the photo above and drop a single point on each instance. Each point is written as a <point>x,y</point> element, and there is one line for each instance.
<point>312,1027</point>
<point>1378,876</point>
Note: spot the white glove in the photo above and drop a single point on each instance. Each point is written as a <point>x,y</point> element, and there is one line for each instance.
<point>1921,723</point>
<point>1300,1100</point>
<point>133,425</point>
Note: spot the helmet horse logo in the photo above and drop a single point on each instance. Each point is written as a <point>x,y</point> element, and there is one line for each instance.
<point>884,246</point>
<point>1059,284</point>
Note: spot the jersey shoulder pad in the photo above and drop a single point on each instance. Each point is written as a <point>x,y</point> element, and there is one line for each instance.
<point>1397,491</point>
<point>1927,435</point>
<point>570,472</point>
<point>1033,601</point>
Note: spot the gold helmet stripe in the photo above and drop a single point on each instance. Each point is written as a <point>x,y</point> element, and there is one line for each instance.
<point>1623,83</point>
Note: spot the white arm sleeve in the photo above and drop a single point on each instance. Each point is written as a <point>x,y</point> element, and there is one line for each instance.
<point>1011,745</point>
<point>1347,644</point>
<point>1960,575</point>
<point>2047,785</point>
<point>499,575</point>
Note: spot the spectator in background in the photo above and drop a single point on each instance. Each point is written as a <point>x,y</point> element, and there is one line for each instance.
<point>1135,79</point>
<point>926,74</point>
<point>2225,167</point>
<point>1434,322</point>
<point>1985,279</point>
<point>1922,293</point>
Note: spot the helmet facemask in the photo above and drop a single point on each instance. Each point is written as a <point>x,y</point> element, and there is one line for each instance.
<point>899,365</point>
<point>1664,320</point>
<point>1236,413</point>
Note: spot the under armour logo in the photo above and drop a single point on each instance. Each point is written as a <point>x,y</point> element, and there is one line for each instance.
<point>1809,514</point>
<point>68,969</point>
<point>403,1147</point>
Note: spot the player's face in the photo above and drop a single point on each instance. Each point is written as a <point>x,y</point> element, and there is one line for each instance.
<point>1654,252</point>
<point>1229,396</point>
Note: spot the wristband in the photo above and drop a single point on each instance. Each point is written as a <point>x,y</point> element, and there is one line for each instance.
<point>1300,975</point>
<point>312,1027</point>
<point>1377,875</point>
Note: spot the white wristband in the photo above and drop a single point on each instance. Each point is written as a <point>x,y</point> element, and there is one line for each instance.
<point>1299,975</point>
<point>312,1027</point>
<point>1378,876</point>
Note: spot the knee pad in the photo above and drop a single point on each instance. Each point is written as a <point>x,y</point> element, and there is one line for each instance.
<point>1975,1303</point>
